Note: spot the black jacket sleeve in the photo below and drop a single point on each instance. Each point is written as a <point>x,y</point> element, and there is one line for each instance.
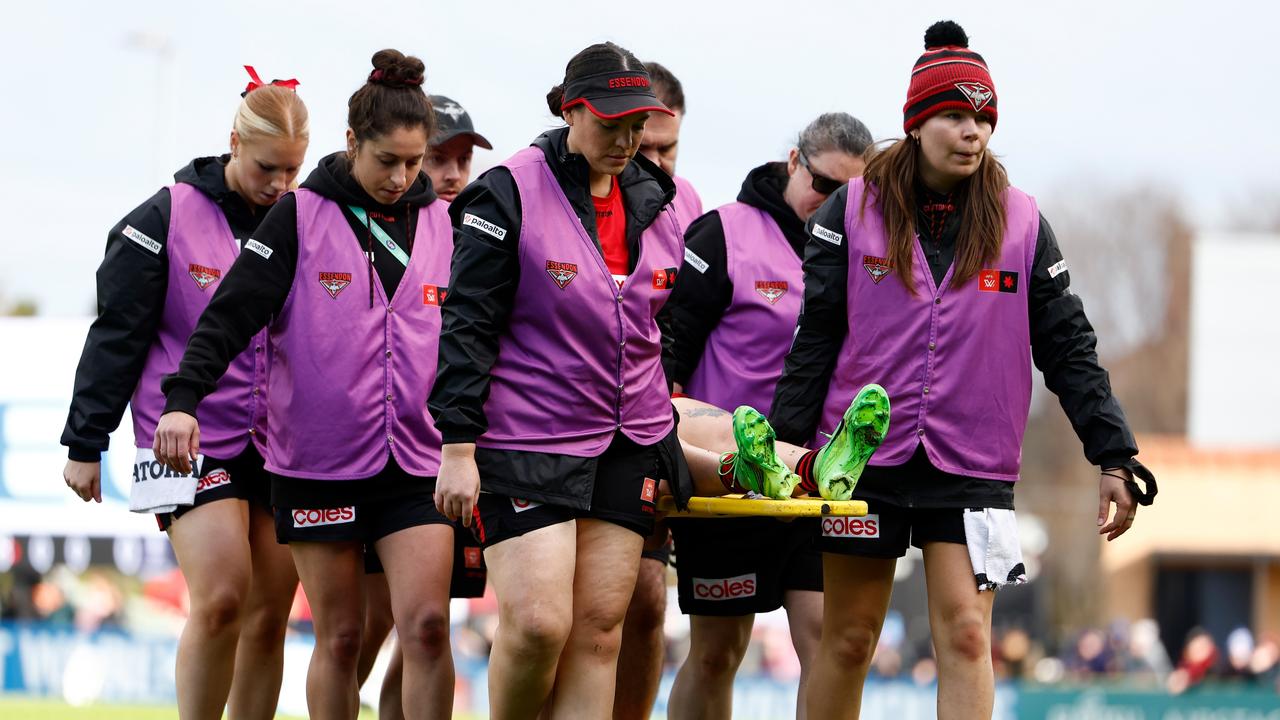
<point>132,281</point>
<point>252,293</point>
<point>820,329</point>
<point>482,287</point>
<point>702,295</point>
<point>1064,348</point>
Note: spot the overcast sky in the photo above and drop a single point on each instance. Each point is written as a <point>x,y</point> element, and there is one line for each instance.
<point>97,113</point>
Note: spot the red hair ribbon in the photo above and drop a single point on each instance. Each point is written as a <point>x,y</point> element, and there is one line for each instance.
<point>256,82</point>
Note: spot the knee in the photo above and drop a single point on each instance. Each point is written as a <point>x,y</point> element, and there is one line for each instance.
<point>648,609</point>
<point>537,631</point>
<point>265,627</point>
<point>717,661</point>
<point>218,612</point>
<point>427,634</point>
<point>855,643</point>
<point>341,643</point>
<point>965,638</point>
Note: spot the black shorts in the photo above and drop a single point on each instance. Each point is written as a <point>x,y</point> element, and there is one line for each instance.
<point>242,477</point>
<point>661,554</point>
<point>887,530</point>
<point>365,522</point>
<point>625,493</point>
<point>469,570</point>
<point>741,566</point>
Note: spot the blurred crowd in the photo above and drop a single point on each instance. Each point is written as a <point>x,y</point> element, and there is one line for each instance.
<point>1129,653</point>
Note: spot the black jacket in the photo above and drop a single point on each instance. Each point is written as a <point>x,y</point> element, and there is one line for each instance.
<point>1063,344</point>
<point>132,284</point>
<point>474,316</point>
<point>255,289</point>
<point>701,298</point>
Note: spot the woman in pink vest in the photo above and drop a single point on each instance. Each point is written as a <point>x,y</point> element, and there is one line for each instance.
<point>733,315</point>
<point>164,261</point>
<point>934,277</point>
<point>347,274</point>
<point>551,398</point>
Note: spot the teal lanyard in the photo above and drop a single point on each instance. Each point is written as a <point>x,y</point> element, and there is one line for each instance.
<point>381,235</point>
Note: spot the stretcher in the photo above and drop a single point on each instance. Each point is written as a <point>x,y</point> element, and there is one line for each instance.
<point>742,506</point>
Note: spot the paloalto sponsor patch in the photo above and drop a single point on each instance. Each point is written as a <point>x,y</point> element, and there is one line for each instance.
<point>695,262</point>
<point>734,588</point>
<point>326,516</point>
<point>1057,269</point>
<point>259,248</point>
<point>830,236</point>
<point>141,239</point>
<point>867,526</point>
<point>483,225</point>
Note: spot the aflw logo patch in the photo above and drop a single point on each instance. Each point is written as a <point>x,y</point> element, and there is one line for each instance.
<point>204,276</point>
<point>977,94</point>
<point>771,290</point>
<point>998,281</point>
<point>433,294</point>
<point>876,267</point>
<point>562,273</point>
<point>334,282</point>
<point>664,279</point>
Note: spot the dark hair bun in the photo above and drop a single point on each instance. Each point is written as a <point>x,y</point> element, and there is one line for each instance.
<point>395,69</point>
<point>944,33</point>
<point>555,98</point>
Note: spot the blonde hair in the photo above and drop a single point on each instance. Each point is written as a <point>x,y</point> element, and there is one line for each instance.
<point>272,112</point>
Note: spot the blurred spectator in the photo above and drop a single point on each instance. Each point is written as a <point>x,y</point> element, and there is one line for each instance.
<point>1199,656</point>
<point>50,604</point>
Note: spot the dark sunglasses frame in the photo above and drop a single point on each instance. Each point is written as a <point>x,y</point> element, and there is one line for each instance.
<point>821,184</point>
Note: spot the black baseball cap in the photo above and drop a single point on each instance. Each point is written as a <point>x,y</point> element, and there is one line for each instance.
<point>453,120</point>
<point>614,94</point>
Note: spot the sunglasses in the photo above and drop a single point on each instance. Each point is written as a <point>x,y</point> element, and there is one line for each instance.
<point>821,184</point>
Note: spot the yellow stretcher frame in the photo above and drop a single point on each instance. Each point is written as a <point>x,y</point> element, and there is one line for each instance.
<point>740,506</point>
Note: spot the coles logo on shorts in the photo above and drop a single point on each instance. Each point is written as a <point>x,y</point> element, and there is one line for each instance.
<point>327,516</point>
<point>213,479</point>
<point>471,557</point>
<point>520,504</point>
<point>851,527</point>
<point>740,586</point>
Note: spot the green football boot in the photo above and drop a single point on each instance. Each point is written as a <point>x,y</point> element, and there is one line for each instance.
<point>840,462</point>
<point>756,465</point>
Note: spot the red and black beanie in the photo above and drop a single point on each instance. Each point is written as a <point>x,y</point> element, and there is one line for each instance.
<point>948,75</point>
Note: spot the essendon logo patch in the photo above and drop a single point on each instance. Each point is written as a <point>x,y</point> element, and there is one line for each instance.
<point>664,279</point>
<point>433,294</point>
<point>204,276</point>
<point>471,557</point>
<point>649,492</point>
<point>740,586</point>
<point>213,479</point>
<point>877,267</point>
<point>977,94</point>
<point>327,516</point>
<point>771,290</point>
<point>562,273</point>
<point>851,527</point>
<point>1004,281</point>
<point>334,282</point>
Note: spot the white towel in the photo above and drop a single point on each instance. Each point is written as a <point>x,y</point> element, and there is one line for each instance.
<point>156,488</point>
<point>991,535</point>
